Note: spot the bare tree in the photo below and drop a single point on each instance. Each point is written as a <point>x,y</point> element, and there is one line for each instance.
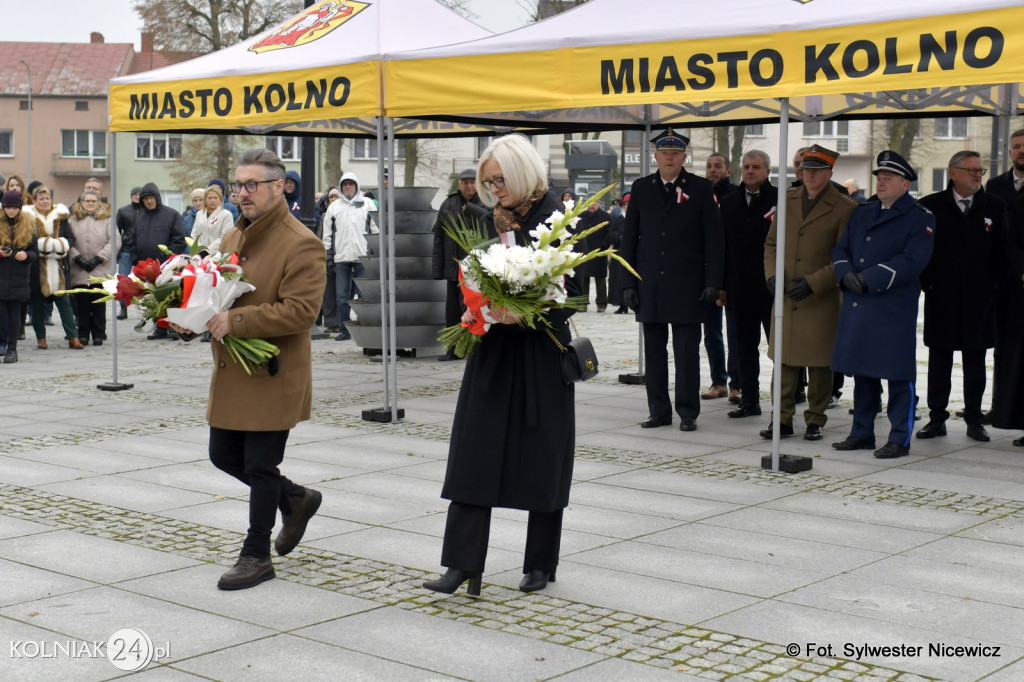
<point>732,150</point>
<point>197,27</point>
<point>200,161</point>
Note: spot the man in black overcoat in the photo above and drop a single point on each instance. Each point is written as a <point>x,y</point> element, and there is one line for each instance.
<point>596,269</point>
<point>446,252</point>
<point>673,238</point>
<point>747,216</point>
<point>960,286</point>
<point>1009,186</point>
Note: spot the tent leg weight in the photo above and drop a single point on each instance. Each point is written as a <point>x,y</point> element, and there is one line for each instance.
<point>381,415</point>
<point>638,379</point>
<point>788,464</point>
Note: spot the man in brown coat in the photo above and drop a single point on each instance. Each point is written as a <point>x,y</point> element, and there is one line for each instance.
<point>250,416</point>
<point>816,216</point>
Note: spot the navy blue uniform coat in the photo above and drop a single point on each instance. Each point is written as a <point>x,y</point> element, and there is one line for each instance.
<point>678,248</point>
<point>877,333</point>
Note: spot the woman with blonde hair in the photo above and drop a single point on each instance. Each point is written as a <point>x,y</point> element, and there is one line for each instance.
<point>513,435</point>
<point>53,274</point>
<point>91,255</point>
<point>213,220</point>
<point>17,252</point>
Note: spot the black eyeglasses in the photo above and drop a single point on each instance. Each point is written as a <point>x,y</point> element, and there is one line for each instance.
<point>494,183</point>
<point>250,186</point>
<point>972,171</point>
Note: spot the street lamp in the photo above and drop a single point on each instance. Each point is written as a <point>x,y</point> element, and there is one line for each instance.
<point>29,71</point>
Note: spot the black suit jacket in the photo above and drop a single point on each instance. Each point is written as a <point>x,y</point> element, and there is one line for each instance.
<point>745,230</point>
<point>676,246</point>
<point>1002,186</point>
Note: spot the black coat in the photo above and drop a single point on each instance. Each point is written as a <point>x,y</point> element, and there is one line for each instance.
<point>14,274</point>
<point>446,251</point>
<point>515,420</point>
<point>615,269</point>
<point>598,240</point>
<point>677,247</point>
<point>745,230</point>
<point>163,225</point>
<point>724,188</point>
<point>125,219</point>
<point>1002,186</point>
<point>962,278</point>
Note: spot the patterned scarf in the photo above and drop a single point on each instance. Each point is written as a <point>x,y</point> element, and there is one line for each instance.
<point>506,219</point>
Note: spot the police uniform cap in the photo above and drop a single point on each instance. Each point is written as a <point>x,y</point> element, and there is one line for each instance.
<point>670,139</point>
<point>468,174</point>
<point>819,157</point>
<point>893,162</point>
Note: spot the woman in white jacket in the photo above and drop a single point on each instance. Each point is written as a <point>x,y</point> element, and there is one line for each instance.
<point>213,221</point>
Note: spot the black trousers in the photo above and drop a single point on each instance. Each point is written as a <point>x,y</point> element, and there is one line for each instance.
<point>91,316</point>
<point>940,374</point>
<point>453,305</point>
<point>686,347</point>
<point>252,457</point>
<point>468,528</point>
<point>602,290</point>
<point>746,331</point>
<point>11,312</point>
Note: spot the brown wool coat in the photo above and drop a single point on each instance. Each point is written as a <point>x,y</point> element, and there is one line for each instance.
<point>284,260</point>
<point>809,326</point>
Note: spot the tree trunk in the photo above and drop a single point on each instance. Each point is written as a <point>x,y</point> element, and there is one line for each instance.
<point>332,159</point>
<point>412,160</point>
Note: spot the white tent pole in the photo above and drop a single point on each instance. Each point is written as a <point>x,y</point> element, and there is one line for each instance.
<point>780,278</point>
<point>113,384</point>
<point>645,170</point>
<point>382,257</point>
<point>392,307</point>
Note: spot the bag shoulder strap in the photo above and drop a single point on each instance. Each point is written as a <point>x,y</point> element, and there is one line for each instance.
<point>555,338</point>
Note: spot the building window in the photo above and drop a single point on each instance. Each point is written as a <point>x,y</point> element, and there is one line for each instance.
<point>366,150</point>
<point>172,199</point>
<point>6,143</point>
<point>951,128</point>
<point>157,146</point>
<point>23,105</point>
<point>82,105</point>
<point>826,129</point>
<point>755,130</point>
<point>286,148</point>
<point>91,144</point>
<point>940,177</point>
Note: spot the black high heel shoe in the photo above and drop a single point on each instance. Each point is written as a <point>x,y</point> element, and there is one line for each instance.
<point>536,580</point>
<point>452,578</point>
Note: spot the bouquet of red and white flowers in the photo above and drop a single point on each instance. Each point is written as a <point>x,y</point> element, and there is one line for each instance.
<point>523,281</point>
<point>187,290</point>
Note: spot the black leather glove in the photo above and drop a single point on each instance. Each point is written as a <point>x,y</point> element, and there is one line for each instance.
<point>771,286</point>
<point>95,262</point>
<point>631,299</point>
<point>709,295</point>
<point>854,281</point>
<point>799,289</point>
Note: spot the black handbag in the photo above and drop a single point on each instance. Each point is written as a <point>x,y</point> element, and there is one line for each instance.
<point>579,361</point>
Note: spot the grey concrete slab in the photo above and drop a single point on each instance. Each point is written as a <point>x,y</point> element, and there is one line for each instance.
<point>824,530</point>
<point>169,449</point>
<point>675,507</point>
<point>98,613</point>
<point>88,557</point>
<point>952,616</point>
<point>13,528</point>
<point>197,477</point>
<point>644,595</point>
<point>1008,530</point>
<point>764,548</point>
<point>1013,672</point>
<point>126,493</point>
<point>694,568</point>
<point>315,660</point>
<point>278,604</point>
<point>961,464</point>
<point>390,486</point>
<point>968,552</point>
<point>697,486</point>
<point>955,580</point>
<point>21,471</point>
<point>162,673</point>
<point>90,459</point>
<point>783,623</point>
<point>355,454</point>
<point>374,510</point>
<point>611,523</point>
<point>22,657</point>
<point>893,515</point>
<point>233,515</point>
<point>913,477</point>
<point>20,583</point>
<point>449,647</point>
<point>617,670</point>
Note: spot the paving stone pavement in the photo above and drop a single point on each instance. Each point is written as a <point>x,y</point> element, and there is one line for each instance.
<point>681,557</point>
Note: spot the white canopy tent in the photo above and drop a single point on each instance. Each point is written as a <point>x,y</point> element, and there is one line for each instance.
<point>685,63</point>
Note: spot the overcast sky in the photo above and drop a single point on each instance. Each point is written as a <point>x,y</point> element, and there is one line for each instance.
<point>63,20</point>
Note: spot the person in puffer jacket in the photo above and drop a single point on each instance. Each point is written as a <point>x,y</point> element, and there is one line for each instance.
<point>346,224</point>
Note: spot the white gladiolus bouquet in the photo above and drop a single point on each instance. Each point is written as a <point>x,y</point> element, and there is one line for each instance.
<point>522,281</point>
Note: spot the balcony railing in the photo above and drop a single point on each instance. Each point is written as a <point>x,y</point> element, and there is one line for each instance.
<point>78,165</point>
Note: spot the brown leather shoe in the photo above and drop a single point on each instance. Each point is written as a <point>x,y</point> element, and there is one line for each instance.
<point>735,396</point>
<point>293,525</point>
<point>73,343</point>
<point>249,571</point>
<point>41,344</point>
<point>715,391</point>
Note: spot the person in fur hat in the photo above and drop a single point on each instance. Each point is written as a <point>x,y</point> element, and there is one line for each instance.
<point>51,272</point>
<point>17,252</point>
<point>91,255</point>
